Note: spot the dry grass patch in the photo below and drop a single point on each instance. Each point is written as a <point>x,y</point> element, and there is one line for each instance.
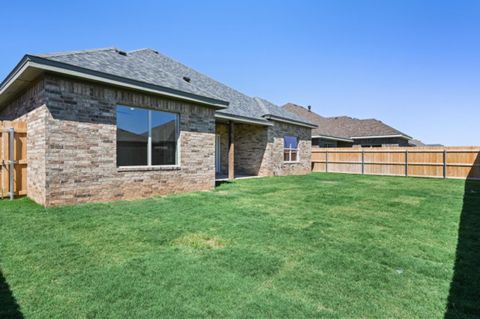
<point>199,241</point>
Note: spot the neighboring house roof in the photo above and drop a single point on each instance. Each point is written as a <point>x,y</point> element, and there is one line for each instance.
<point>345,127</point>
<point>415,142</point>
<point>146,68</point>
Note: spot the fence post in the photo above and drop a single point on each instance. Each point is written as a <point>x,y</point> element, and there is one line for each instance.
<point>445,163</point>
<point>406,163</point>
<point>326,161</point>
<point>363,161</point>
<point>11,162</point>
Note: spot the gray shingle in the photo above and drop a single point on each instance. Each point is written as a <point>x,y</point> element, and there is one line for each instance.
<point>151,67</point>
<point>343,126</point>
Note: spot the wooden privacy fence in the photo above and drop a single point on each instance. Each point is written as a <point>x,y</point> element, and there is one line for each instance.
<point>13,159</point>
<point>441,162</point>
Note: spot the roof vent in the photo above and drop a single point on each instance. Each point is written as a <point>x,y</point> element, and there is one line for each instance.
<point>122,53</point>
<point>187,79</point>
<point>309,108</point>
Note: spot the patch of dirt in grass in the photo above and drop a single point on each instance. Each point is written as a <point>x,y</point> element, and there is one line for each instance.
<point>199,241</point>
<point>223,193</point>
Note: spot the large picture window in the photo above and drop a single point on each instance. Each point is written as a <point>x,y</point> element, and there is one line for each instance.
<point>290,148</point>
<point>145,137</point>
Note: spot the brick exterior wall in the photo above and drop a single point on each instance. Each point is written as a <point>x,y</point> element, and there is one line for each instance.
<point>36,153</point>
<point>32,98</point>
<point>251,143</point>
<point>72,144</point>
<point>30,107</point>
<point>71,148</point>
<point>259,149</point>
<point>278,166</point>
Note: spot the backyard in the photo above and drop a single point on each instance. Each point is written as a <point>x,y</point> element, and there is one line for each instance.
<point>322,245</point>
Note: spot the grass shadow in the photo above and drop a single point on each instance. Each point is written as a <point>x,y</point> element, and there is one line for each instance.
<point>464,295</point>
<point>9,307</point>
<point>226,182</point>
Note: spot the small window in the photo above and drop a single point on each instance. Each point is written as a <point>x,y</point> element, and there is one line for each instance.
<point>290,148</point>
<point>145,137</point>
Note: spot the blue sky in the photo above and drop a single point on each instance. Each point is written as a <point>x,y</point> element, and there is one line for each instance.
<point>413,64</point>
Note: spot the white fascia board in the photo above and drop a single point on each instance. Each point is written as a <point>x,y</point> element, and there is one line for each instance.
<point>381,136</point>
<point>283,120</point>
<point>333,138</point>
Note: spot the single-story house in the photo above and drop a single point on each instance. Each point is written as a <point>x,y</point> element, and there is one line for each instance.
<point>345,131</point>
<point>107,124</point>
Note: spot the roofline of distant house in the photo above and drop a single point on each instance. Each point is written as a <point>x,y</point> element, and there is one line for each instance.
<point>289,121</point>
<point>35,62</point>
<point>382,136</point>
<point>241,119</point>
<point>333,138</point>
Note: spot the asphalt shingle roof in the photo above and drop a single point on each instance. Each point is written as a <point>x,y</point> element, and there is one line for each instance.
<point>343,126</point>
<point>152,67</point>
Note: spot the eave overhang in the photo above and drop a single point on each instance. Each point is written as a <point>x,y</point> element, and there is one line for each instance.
<point>31,66</point>
<point>382,136</point>
<point>289,121</point>
<point>333,138</point>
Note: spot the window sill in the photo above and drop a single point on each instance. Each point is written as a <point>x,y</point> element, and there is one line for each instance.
<point>148,168</point>
<point>291,162</point>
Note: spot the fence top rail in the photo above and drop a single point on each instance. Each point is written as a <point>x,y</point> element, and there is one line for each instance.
<point>395,151</point>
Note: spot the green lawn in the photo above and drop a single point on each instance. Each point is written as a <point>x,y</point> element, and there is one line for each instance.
<point>322,245</point>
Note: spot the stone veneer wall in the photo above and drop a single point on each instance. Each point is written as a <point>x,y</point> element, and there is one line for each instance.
<point>77,141</point>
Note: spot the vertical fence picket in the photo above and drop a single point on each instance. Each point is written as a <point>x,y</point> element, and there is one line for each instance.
<point>406,163</point>
<point>445,163</point>
<point>363,161</point>
<point>326,161</point>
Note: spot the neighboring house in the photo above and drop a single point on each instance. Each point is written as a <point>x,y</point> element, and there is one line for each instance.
<point>415,142</point>
<point>344,131</point>
<point>107,124</point>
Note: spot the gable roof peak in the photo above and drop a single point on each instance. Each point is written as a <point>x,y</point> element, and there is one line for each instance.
<point>144,50</point>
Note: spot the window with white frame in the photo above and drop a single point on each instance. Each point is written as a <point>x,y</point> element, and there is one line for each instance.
<point>290,148</point>
<point>146,137</point>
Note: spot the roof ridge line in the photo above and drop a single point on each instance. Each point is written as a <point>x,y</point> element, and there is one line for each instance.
<point>261,104</point>
<point>143,49</point>
<point>54,54</point>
